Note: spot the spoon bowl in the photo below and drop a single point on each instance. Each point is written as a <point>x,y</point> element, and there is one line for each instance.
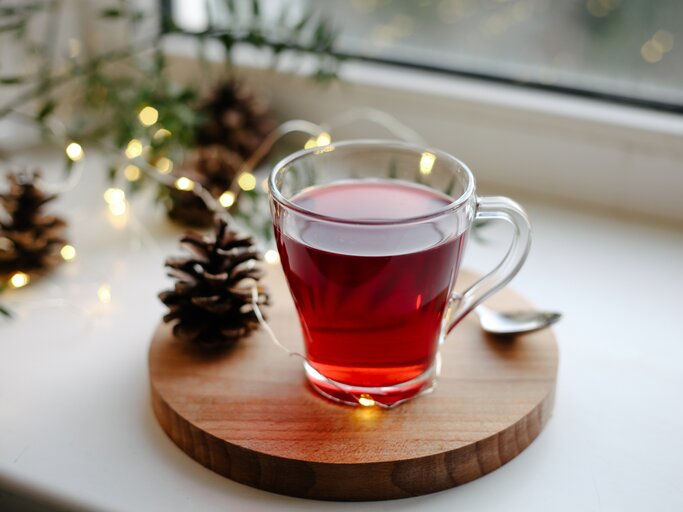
<point>515,322</point>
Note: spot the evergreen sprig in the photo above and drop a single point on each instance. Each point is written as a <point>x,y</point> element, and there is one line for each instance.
<point>103,92</point>
<point>243,23</point>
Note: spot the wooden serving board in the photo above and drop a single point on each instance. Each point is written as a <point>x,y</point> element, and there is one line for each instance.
<point>249,414</point>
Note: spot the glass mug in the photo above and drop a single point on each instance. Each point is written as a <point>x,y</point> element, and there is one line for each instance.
<point>371,236</point>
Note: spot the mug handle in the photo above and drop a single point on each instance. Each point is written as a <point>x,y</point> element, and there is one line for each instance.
<point>494,208</point>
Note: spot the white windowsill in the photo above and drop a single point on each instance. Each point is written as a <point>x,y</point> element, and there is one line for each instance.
<point>78,432</point>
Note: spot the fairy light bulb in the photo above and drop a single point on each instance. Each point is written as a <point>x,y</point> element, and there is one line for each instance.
<point>366,400</point>
<point>323,139</point>
<point>132,173</point>
<point>148,116</point>
<point>116,200</point>
<point>68,252</point>
<point>114,195</point>
<point>161,134</point>
<point>247,181</point>
<point>74,151</point>
<point>104,293</point>
<point>19,280</point>
<point>227,199</point>
<point>134,148</point>
<point>164,165</point>
<point>427,162</point>
<point>271,256</point>
<point>184,183</point>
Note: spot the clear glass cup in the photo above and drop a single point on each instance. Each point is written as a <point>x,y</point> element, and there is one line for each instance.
<point>371,235</point>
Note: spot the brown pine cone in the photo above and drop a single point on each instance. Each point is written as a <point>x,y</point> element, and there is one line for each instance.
<point>235,119</point>
<point>30,241</point>
<point>211,302</point>
<point>215,168</point>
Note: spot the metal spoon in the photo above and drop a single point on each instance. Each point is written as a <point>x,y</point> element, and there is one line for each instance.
<point>518,322</point>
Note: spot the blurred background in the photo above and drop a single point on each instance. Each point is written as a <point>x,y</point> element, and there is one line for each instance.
<point>620,50</point>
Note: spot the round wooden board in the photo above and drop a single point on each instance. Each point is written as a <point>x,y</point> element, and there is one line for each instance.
<point>249,415</point>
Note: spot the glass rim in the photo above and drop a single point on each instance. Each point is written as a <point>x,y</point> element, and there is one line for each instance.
<point>455,204</point>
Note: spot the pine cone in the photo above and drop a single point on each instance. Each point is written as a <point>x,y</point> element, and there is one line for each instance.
<point>214,167</point>
<point>212,298</point>
<point>236,124</point>
<point>235,119</point>
<point>30,241</point>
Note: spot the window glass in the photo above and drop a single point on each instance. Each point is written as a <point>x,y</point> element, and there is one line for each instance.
<point>621,50</point>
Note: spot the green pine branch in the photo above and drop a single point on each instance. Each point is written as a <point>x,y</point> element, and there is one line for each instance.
<point>40,87</point>
<point>308,35</point>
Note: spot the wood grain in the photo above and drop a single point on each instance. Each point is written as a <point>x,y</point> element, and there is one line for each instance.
<point>249,415</point>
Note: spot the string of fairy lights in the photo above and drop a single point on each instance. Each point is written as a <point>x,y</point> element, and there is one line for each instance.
<point>136,165</point>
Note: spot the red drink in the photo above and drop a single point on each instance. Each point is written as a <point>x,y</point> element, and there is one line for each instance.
<point>371,300</point>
